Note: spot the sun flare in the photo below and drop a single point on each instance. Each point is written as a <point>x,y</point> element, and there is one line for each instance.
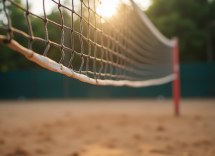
<point>107,8</point>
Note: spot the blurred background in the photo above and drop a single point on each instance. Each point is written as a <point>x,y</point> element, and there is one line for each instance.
<point>193,22</point>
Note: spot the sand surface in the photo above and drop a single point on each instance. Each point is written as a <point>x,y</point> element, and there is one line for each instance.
<point>117,127</point>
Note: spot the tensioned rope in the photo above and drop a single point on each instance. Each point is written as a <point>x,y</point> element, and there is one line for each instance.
<point>125,49</point>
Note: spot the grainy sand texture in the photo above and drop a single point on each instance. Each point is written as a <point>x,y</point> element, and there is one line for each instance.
<point>107,127</point>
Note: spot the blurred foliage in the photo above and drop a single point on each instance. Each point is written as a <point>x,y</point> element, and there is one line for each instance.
<point>189,20</point>
<point>9,59</point>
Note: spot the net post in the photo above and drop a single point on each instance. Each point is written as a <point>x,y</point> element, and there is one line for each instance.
<point>176,71</point>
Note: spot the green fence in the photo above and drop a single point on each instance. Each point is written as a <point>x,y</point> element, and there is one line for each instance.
<point>197,80</point>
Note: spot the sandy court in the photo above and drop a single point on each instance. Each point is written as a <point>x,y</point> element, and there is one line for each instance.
<point>113,127</point>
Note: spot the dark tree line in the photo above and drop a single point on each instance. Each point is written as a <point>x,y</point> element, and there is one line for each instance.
<point>192,21</point>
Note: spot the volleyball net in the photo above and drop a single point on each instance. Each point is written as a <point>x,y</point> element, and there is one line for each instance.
<point>124,49</point>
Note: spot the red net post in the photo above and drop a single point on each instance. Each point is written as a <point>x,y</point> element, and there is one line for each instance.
<point>176,82</point>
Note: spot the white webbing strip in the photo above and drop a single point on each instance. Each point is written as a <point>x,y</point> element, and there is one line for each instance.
<point>56,67</point>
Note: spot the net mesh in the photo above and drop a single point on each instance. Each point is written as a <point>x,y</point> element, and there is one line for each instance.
<point>120,47</point>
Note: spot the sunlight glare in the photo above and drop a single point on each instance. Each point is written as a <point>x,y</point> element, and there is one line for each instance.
<point>107,8</point>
